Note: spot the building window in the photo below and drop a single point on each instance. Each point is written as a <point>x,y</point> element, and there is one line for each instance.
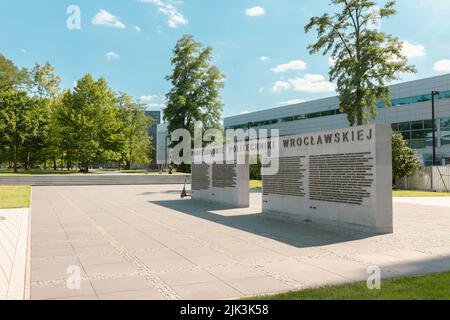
<point>417,125</point>
<point>445,131</point>
<point>445,123</point>
<point>416,99</point>
<point>419,134</point>
<point>422,134</point>
<point>404,126</point>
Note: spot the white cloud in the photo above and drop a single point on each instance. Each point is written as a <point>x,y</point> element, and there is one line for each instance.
<point>110,56</point>
<point>442,66</point>
<point>148,98</point>
<point>410,50</point>
<point>264,58</point>
<point>311,83</point>
<point>23,50</point>
<point>152,101</point>
<point>137,28</point>
<point>290,102</point>
<point>293,65</point>
<point>255,11</point>
<point>104,18</point>
<point>281,86</point>
<point>175,18</point>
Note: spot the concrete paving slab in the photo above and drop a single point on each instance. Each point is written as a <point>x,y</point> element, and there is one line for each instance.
<point>179,278</point>
<point>147,294</point>
<point>60,290</point>
<point>14,233</point>
<point>260,285</point>
<point>234,272</point>
<point>114,285</point>
<point>212,290</point>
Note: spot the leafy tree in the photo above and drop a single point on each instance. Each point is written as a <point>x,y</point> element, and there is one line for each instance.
<point>12,80</point>
<point>45,90</point>
<point>17,122</point>
<point>12,77</point>
<point>37,137</point>
<point>196,84</point>
<point>404,159</point>
<point>89,122</point>
<point>137,146</point>
<point>365,58</point>
<point>256,170</point>
<point>45,84</point>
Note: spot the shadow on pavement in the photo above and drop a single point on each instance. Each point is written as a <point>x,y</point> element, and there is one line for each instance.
<point>298,234</point>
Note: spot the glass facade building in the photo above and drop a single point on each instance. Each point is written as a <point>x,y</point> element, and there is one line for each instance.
<point>409,114</point>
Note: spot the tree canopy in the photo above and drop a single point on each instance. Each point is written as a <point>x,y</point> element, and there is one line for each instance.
<point>137,143</point>
<point>365,59</point>
<point>12,77</point>
<point>196,84</point>
<point>404,159</point>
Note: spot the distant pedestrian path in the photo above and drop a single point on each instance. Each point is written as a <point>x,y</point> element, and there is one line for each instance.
<point>92,179</point>
<point>425,201</point>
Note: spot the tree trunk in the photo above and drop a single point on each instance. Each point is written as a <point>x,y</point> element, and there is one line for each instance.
<point>27,160</point>
<point>11,156</point>
<point>16,155</point>
<point>360,117</point>
<point>54,163</point>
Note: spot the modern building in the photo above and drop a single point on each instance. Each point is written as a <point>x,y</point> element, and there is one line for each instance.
<point>410,114</point>
<point>153,131</point>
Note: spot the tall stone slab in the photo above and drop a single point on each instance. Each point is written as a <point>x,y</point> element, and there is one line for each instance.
<point>225,183</point>
<point>342,178</point>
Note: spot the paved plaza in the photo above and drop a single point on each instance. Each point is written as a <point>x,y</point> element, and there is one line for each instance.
<point>14,230</point>
<point>144,242</point>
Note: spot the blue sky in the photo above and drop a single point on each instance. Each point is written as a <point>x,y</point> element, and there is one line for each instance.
<point>258,44</point>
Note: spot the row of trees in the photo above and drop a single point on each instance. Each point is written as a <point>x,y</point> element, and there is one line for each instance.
<point>85,126</point>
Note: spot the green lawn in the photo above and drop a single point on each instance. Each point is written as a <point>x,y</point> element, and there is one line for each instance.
<point>23,172</point>
<point>407,193</point>
<point>14,197</point>
<point>255,184</point>
<point>429,287</point>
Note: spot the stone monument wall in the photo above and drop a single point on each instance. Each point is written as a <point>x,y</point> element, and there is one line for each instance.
<point>341,177</point>
<point>221,183</point>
